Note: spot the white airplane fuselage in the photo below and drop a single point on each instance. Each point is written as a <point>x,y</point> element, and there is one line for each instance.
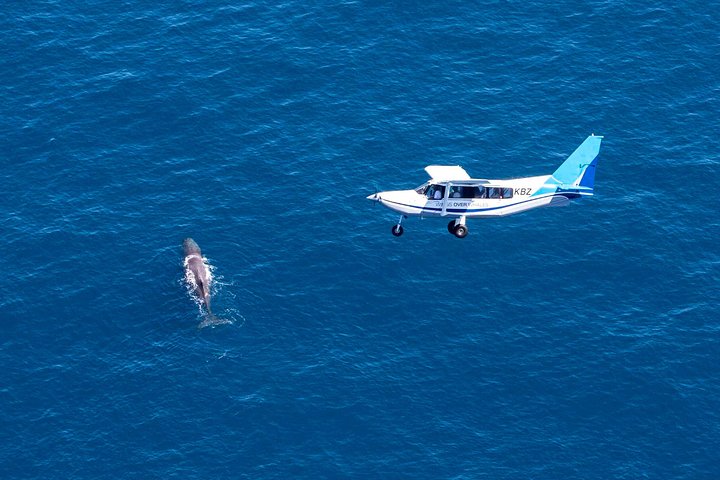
<point>517,195</point>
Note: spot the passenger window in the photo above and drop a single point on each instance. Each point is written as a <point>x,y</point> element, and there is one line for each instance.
<point>494,192</point>
<point>454,192</point>
<point>507,193</point>
<point>479,192</point>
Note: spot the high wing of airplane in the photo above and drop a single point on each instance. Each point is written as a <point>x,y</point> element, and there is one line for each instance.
<point>452,193</point>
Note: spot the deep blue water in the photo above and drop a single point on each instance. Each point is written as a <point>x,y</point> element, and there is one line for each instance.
<point>579,342</point>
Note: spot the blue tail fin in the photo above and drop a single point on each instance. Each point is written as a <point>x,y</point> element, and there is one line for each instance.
<point>578,171</point>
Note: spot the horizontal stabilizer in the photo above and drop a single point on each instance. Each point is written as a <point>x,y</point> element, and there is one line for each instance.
<point>579,188</point>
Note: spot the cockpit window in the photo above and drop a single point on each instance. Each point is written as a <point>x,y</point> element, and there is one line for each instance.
<point>435,192</point>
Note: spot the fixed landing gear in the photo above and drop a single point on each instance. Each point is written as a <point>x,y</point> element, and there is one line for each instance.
<point>458,228</point>
<point>461,231</point>
<point>398,230</point>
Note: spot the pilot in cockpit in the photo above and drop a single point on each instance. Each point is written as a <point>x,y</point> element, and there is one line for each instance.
<point>435,192</point>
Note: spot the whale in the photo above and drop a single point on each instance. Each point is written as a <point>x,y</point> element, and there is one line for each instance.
<point>199,278</point>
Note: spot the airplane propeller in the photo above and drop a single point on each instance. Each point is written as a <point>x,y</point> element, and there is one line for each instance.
<point>374,196</point>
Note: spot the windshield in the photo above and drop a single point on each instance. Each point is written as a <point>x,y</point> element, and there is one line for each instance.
<point>422,188</point>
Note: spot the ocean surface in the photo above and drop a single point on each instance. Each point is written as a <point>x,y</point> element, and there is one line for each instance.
<point>579,342</point>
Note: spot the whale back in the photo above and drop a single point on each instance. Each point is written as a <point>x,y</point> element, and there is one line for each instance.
<point>191,248</point>
<point>196,272</point>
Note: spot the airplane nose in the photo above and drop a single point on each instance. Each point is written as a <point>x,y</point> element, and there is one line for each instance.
<point>374,197</point>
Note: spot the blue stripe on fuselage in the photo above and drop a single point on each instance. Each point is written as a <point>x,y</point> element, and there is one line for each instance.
<point>474,210</point>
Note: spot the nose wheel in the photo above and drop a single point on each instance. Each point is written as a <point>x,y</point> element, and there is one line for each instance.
<point>398,230</point>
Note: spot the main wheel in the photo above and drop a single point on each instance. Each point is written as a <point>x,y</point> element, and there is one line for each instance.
<point>397,230</point>
<point>451,227</point>
<point>460,231</point>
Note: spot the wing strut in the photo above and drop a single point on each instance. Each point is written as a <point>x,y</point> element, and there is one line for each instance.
<point>447,193</point>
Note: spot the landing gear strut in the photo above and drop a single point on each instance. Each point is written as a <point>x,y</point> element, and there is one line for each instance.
<point>458,228</point>
<point>398,230</point>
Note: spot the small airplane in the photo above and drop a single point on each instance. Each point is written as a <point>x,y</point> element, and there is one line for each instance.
<point>451,192</point>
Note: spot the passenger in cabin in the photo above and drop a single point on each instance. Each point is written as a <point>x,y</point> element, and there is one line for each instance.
<point>455,192</point>
<point>437,195</point>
